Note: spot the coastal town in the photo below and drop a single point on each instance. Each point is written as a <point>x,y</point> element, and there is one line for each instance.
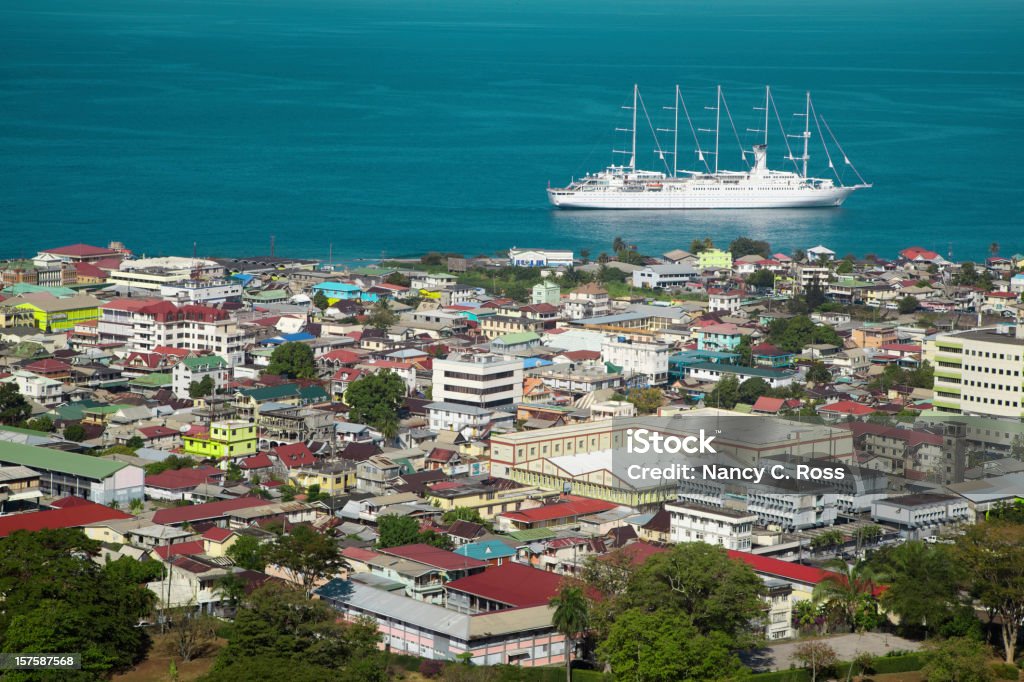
<point>422,456</point>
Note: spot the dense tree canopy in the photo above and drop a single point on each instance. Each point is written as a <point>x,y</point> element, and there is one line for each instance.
<point>57,599</point>
<point>664,646</point>
<point>992,557</point>
<point>279,634</point>
<point>374,400</point>
<point>922,583</point>
<point>745,246</point>
<point>795,333</point>
<point>14,409</point>
<point>293,360</point>
<point>306,555</point>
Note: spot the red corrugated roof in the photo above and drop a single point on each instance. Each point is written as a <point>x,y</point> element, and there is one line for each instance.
<point>359,554</point>
<point>72,516</point>
<point>433,556</point>
<point>217,534</point>
<point>176,479</point>
<point>209,510</point>
<point>81,250</point>
<point>179,549</point>
<point>782,569</point>
<point>847,407</point>
<point>514,584</point>
<point>568,507</point>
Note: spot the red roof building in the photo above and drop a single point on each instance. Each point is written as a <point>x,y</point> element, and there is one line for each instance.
<point>435,557</point>
<point>83,252</point>
<point>175,480</point>
<point>294,455</point>
<point>566,510</point>
<point>70,516</point>
<point>918,254</point>
<point>847,408</point>
<point>165,552</point>
<point>210,511</point>
<point>508,586</point>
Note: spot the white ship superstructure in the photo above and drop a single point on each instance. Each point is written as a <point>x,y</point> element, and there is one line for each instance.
<point>627,187</point>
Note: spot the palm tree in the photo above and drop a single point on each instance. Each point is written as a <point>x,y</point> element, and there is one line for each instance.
<point>618,244</point>
<point>993,248</point>
<point>570,619</point>
<point>135,506</point>
<point>845,588</point>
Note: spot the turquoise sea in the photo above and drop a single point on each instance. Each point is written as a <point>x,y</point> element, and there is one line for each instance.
<point>394,126</point>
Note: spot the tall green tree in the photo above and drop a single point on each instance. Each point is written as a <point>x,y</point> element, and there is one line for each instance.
<point>306,555</point>
<point>201,388</point>
<point>818,373</point>
<point>294,360</point>
<point>570,619</point>
<point>74,432</point>
<point>57,599</point>
<point>745,246</point>
<point>646,400</point>
<point>752,389</point>
<point>847,592</point>
<point>248,552</point>
<point>320,301</point>
<point>14,409</point>
<point>374,399</point>
<point>700,580</point>
<point>992,557</point>
<point>382,316</point>
<point>922,583</point>
<point>664,646</point>
<point>725,394</point>
<point>395,531</point>
<point>279,634</point>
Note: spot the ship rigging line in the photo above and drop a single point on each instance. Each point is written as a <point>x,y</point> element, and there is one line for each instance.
<point>817,124</point>
<point>846,159</point>
<point>785,139</point>
<point>696,140</point>
<point>739,143</point>
<point>657,142</point>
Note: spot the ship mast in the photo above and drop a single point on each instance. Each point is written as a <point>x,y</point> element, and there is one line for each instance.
<point>807,129</point>
<point>806,135</point>
<point>632,131</point>
<point>718,124</point>
<point>767,95</point>
<point>675,133</point>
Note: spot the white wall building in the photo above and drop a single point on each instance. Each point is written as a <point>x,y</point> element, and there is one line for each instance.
<point>642,358</point>
<point>724,302</point>
<point>922,514</point>
<point>196,369</point>
<point>533,258</point>
<point>455,417</point>
<point>728,528</point>
<point>43,390</point>
<point>480,380</point>
<point>664,276</point>
<point>979,372</point>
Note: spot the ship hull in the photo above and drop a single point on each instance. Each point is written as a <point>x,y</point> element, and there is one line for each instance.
<point>704,198</point>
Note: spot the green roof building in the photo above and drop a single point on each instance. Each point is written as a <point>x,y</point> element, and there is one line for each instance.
<point>62,474</point>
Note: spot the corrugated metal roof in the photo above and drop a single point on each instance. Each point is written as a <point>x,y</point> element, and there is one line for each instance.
<point>46,459</point>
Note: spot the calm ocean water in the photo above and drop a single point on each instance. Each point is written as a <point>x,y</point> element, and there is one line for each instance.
<point>392,127</point>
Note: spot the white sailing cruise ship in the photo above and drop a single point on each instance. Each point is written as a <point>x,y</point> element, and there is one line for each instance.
<point>628,187</point>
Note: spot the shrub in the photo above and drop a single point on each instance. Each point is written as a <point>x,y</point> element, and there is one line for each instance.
<point>1005,671</point>
<point>898,664</point>
<point>431,669</point>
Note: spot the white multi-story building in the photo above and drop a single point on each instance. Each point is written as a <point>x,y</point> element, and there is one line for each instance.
<point>533,258</point>
<point>43,390</point>
<point>728,302</point>
<point>481,380</point>
<point>728,528</point>
<point>202,291</point>
<point>153,273</point>
<point>142,325</point>
<point>638,358</point>
<point>979,372</point>
<point>455,417</point>
<point>793,510</point>
<point>664,276</point>
<point>589,300</point>
<point>922,514</point>
<point>196,369</point>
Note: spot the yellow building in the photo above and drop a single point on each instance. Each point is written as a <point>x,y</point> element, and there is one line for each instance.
<point>229,438</point>
<point>489,500</point>
<point>52,314</point>
<point>714,258</point>
<point>333,478</point>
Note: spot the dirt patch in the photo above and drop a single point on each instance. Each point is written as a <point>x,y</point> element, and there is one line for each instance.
<point>156,666</point>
